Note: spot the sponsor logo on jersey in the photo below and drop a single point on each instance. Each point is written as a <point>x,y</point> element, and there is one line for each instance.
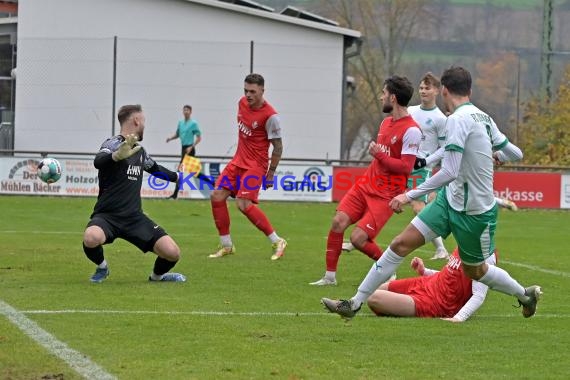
<point>243,129</point>
<point>454,263</point>
<point>133,172</point>
<point>384,149</point>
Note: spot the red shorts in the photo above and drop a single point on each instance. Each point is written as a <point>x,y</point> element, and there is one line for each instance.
<point>371,213</point>
<point>416,287</point>
<point>242,183</point>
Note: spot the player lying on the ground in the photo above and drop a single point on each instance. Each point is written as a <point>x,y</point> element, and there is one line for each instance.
<point>447,294</point>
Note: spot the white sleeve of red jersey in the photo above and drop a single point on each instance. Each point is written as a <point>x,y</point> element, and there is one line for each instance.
<point>411,141</point>
<point>273,127</point>
<point>478,294</point>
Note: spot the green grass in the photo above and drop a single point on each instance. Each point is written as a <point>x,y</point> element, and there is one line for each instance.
<point>42,267</point>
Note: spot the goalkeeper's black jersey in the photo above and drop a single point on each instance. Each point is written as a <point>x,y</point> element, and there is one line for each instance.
<point>120,182</point>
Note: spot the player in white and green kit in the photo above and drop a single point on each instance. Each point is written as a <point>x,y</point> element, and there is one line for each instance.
<point>466,206</point>
<point>432,123</point>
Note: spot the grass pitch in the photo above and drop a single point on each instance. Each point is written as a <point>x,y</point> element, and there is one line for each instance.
<point>246,317</point>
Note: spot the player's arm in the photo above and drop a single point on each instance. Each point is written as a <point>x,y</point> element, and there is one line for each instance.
<point>448,172</point>
<point>405,163</point>
<point>479,292</point>
<point>450,163</point>
<point>436,156</point>
<point>114,150</point>
<point>173,137</point>
<point>418,266</point>
<point>151,167</point>
<point>504,151</point>
<point>273,129</point>
<point>509,152</point>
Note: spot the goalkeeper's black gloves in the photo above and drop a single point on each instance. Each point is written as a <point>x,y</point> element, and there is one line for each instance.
<point>127,148</point>
<point>420,163</point>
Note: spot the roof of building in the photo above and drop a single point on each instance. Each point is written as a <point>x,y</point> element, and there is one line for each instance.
<point>290,15</point>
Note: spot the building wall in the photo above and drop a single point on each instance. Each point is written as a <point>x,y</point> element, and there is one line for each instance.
<point>170,52</point>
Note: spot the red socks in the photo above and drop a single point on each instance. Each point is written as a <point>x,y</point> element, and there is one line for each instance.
<point>258,218</point>
<point>372,250</point>
<point>221,217</point>
<point>334,249</point>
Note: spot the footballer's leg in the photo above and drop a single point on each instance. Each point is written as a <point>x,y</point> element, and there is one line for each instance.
<point>384,302</point>
<point>149,236</point>
<point>226,186</point>
<point>168,254</point>
<point>93,239</point>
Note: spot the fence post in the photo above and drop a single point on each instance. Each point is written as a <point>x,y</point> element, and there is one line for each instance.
<point>251,46</point>
<point>114,85</point>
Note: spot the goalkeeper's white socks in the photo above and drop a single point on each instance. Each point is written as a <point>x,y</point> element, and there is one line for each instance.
<point>380,272</point>
<point>498,279</point>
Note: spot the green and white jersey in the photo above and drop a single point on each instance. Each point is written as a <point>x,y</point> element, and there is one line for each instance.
<point>432,124</point>
<point>473,132</point>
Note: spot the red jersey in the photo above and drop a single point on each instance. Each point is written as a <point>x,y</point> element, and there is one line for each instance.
<point>253,142</point>
<point>450,288</point>
<point>379,181</point>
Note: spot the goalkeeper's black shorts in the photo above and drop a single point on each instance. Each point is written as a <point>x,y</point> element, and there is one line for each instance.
<point>138,229</point>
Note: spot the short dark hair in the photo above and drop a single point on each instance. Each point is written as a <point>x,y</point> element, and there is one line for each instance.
<point>255,79</point>
<point>431,79</point>
<point>187,106</point>
<point>126,111</point>
<point>401,87</point>
<point>457,80</point>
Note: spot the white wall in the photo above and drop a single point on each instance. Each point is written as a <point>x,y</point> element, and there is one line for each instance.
<point>170,52</point>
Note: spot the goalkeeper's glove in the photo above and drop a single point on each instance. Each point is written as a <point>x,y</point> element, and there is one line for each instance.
<point>127,148</point>
<point>420,163</point>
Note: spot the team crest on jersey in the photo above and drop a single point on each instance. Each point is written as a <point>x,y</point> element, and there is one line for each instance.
<point>394,139</point>
<point>255,125</point>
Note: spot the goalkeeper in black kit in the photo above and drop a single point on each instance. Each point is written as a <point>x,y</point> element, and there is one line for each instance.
<point>118,212</point>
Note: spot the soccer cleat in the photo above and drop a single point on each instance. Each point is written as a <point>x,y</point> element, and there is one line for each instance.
<point>340,307</point>
<point>440,253</point>
<point>223,251</point>
<point>529,307</point>
<point>323,282</point>
<point>347,246</point>
<point>279,249</point>
<point>170,277</point>
<point>100,275</point>
<point>510,205</point>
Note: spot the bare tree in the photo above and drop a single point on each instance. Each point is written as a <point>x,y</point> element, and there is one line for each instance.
<point>386,26</point>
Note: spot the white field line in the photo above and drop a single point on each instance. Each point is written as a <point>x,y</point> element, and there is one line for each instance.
<point>245,314</point>
<point>76,360</point>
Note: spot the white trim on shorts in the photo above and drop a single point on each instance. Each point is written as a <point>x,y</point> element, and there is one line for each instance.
<point>426,232</point>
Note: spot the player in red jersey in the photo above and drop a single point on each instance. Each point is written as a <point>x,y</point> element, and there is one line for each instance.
<point>366,203</point>
<point>250,169</point>
<point>447,294</point>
